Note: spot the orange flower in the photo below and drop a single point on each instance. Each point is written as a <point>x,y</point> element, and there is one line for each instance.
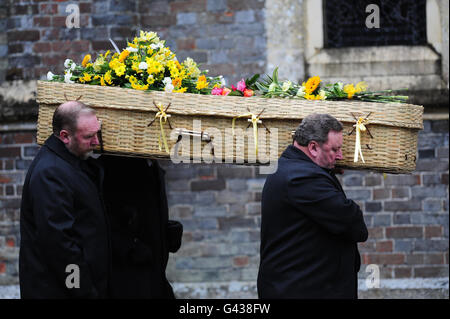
<point>312,84</point>
<point>86,59</point>
<point>248,92</point>
<point>123,55</point>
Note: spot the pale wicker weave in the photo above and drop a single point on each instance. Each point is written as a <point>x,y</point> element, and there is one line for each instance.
<point>126,113</point>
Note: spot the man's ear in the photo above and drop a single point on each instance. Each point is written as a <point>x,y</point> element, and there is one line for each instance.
<point>64,136</point>
<point>313,148</point>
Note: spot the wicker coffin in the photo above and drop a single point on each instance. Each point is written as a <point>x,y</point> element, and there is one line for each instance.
<point>126,114</point>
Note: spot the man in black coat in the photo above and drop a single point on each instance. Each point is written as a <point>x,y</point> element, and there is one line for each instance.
<point>65,247</point>
<point>309,228</point>
<point>142,234</point>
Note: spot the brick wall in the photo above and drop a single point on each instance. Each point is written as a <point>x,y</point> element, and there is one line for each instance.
<point>226,36</point>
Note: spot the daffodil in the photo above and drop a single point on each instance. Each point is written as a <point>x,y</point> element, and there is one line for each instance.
<point>201,83</point>
<point>108,77</point>
<point>85,78</point>
<point>361,87</point>
<point>350,90</point>
<point>120,70</point>
<point>123,55</point>
<point>180,90</point>
<point>86,59</point>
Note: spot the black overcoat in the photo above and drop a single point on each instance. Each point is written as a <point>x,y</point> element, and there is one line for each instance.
<point>309,233</point>
<point>142,234</point>
<point>63,222</point>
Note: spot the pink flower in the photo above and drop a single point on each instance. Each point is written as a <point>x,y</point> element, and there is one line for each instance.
<point>233,87</point>
<point>216,91</point>
<point>241,85</point>
<point>226,91</point>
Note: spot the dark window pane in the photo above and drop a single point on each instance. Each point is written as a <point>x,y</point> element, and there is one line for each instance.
<point>402,22</point>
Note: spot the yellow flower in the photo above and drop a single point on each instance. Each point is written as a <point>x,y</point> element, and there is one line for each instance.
<point>150,79</point>
<point>154,67</point>
<point>106,54</point>
<point>86,59</point>
<point>180,90</point>
<point>99,63</point>
<point>132,79</point>
<point>102,81</point>
<point>86,78</point>
<point>313,97</point>
<point>123,55</point>
<point>201,83</point>
<point>350,90</point>
<point>312,84</point>
<point>135,67</point>
<point>114,63</point>
<point>135,84</point>
<point>108,77</point>
<point>361,87</point>
<point>139,86</point>
<point>120,70</point>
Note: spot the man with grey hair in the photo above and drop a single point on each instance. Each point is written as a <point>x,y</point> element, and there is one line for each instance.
<point>309,228</point>
<point>65,245</point>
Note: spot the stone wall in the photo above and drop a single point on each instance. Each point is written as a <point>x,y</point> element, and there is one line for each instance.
<point>225,36</point>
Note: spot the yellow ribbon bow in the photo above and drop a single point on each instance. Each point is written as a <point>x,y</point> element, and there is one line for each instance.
<point>163,116</point>
<point>254,120</point>
<point>359,126</point>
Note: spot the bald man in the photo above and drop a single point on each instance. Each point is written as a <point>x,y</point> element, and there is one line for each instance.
<point>65,245</point>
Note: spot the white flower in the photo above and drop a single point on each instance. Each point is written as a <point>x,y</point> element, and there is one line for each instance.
<point>50,76</point>
<point>67,63</point>
<point>67,77</point>
<point>222,80</point>
<point>168,86</point>
<point>340,85</point>
<point>158,45</point>
<point>286,85</point>
<point>272,86</point>
<point>131,49</point>
<point>322,94</point>
<point>72,66</point>
<point>301,91</point>
<point>143,66</point>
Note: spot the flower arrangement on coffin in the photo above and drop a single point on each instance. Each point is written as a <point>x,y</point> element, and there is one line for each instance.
<point>313,90</point>
<point>146,64</point>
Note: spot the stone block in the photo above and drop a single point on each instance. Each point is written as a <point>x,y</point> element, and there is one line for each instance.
<point>401,218</point>
<point>353,180</point>
<point>216,5</point>
<point>184,18</point>
<point>407,205</point>
<point>206,185</point>
<point>210,211</point>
